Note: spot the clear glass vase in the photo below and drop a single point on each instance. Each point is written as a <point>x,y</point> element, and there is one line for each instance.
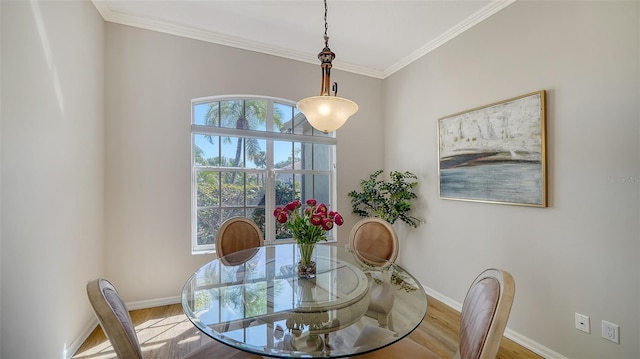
<point>306,264</point>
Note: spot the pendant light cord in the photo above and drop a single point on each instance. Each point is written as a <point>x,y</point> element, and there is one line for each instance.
<point>326,27</point>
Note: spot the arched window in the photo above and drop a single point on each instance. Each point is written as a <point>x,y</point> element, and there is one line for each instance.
<point>249,155</point>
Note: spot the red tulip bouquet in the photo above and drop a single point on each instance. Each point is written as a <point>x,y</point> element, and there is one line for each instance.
<point>308,225</point>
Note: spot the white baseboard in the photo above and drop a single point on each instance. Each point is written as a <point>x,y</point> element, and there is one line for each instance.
<point>77,343</point>
<point>516,337</point>
<point>143,304</point>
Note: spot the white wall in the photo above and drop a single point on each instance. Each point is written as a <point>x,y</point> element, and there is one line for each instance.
<point>582,253</point>
<point>150,81</point>
<point>52,169</point>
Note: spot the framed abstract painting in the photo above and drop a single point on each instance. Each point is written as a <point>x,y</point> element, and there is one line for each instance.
<point>495,153</point>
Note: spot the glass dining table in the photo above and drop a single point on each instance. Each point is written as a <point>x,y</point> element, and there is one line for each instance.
<point>253,300</point>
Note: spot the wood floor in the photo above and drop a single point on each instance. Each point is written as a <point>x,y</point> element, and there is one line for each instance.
<point>165,333</point>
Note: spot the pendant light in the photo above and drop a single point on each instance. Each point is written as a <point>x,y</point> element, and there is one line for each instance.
<point>327,112</point>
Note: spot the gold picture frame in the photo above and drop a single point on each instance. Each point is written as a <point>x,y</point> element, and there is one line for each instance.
<point>495,153</point>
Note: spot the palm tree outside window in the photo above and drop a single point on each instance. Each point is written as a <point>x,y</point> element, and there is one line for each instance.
<point>249,155</point>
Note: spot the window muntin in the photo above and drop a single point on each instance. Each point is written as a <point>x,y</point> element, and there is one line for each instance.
<point>250,155</point>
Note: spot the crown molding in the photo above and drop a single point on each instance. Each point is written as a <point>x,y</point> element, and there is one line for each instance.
<point>463,26</point>
<point>231,41</point>
<point>221,39</point>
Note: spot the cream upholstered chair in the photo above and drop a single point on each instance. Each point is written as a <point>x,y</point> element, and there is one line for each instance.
<point>376,243</point>
<point>483,319</point>
<point>117,325</point>
<point>236,234</point>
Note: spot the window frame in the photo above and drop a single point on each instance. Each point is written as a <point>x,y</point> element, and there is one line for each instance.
<point>269,136</point>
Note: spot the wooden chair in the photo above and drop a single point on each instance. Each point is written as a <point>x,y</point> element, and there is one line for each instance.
<point>117,325</point>
<point>374,239</point>
<point>483,319</point>
<point>376,243</point>
<point>236,234</point>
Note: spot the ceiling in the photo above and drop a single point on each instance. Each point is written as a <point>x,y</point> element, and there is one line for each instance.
<point>370,37</point>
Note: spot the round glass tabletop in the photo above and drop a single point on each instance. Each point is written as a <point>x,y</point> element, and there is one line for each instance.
<point>254,300</point>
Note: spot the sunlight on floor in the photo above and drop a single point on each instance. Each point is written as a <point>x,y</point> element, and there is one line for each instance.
<point>158,337</point>
<point>191,339</point>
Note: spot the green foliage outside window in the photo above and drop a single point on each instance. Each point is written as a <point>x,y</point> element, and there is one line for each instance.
<point>230,162</point>
<point>209,220</point>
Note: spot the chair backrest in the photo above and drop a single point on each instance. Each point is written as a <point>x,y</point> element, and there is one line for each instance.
<point>484,315</point>
<point>375,237</point>
<point>236,234</point>
<point>114,318</point>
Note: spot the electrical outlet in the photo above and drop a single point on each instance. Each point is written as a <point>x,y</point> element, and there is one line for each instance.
<point>582,323</point>
<point>610,332</point>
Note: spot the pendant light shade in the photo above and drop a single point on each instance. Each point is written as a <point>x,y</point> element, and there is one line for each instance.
<point>327,112</point>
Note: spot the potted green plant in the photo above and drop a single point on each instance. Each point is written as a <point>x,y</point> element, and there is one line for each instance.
<point>389,200</point>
